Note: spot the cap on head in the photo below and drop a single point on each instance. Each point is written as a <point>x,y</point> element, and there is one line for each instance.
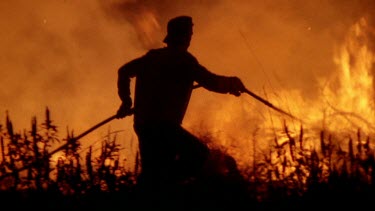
<point>179,28</point>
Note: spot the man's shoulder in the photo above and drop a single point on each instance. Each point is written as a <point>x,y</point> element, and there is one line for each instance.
<point>168,53</point>
<point>156,51</point>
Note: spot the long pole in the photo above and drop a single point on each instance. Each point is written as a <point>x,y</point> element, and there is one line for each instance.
<point>83,134</point>
<point>264,102</point>
<point>270,105</point>
<point>89,131</point>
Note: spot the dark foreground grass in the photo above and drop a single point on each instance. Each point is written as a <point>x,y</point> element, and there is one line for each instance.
<point>191,198</point>
<point>334,174</point>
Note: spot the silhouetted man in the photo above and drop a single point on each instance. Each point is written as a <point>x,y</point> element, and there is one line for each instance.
<point>164,83</point>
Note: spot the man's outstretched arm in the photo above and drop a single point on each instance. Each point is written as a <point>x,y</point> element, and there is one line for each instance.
<point>218,83</point>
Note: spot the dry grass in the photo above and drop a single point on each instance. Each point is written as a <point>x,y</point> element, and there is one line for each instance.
<point>289,175</point>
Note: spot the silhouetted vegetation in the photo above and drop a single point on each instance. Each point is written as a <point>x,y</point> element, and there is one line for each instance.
<point>291,174</point>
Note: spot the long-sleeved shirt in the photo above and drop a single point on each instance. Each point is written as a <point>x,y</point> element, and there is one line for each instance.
<point>164,83</point>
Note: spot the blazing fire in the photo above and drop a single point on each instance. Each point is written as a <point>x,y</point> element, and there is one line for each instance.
<point>345,105</point>
<point>351,103</point>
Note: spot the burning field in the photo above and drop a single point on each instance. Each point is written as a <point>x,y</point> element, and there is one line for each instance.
<point>314,60</point>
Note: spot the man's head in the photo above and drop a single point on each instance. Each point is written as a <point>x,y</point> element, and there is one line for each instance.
<point>179,31</point>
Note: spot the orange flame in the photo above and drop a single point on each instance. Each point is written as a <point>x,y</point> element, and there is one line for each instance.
<point>353,98</point>
<point>346,105</point>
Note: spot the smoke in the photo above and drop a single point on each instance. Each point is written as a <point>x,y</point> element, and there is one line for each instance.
<point>62,55</point>
<point>65,54</point>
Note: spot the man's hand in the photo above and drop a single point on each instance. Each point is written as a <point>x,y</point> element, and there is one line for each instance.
<point>124,110</point>
<point>236,86</point>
